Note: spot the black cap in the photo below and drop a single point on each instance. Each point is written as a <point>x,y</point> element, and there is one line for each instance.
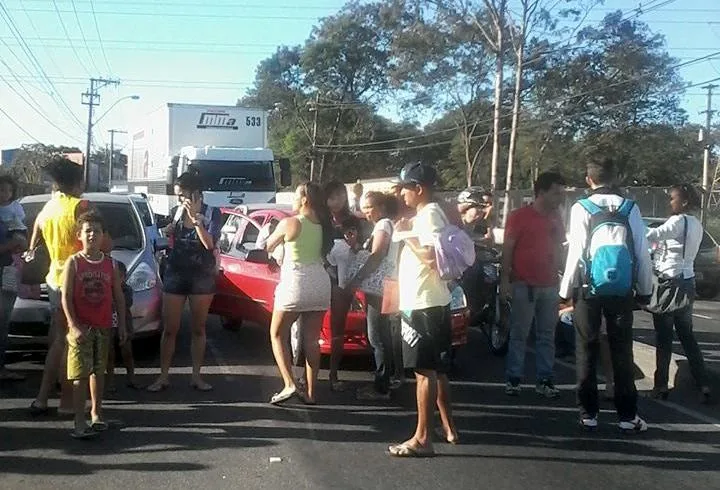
<point>418,173</point>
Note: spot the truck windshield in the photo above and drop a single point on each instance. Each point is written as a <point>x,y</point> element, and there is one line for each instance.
<point>220,175</point>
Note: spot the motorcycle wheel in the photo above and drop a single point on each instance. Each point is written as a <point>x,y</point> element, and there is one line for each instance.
<point>498,331</point>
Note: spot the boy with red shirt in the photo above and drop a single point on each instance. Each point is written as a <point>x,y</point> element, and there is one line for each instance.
<point>531,261</point>
<point>91,284</point>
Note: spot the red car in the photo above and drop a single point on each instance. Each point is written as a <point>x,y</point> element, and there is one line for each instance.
<point>247,280</point>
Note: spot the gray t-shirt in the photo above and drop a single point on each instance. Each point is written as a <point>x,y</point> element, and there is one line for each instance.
<point>13,216</point>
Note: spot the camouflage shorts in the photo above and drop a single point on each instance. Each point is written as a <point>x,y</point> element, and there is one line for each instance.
<point>90,356</point>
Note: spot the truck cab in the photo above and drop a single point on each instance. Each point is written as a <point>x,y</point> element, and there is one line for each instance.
<point>232,176</point>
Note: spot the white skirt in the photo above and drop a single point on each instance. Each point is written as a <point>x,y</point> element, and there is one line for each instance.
<point>302,287</point>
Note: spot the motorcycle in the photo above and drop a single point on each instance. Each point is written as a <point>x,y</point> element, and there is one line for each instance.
<point>488,310</point>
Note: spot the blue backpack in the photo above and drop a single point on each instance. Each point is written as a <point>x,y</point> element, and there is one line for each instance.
<point>609,259</point>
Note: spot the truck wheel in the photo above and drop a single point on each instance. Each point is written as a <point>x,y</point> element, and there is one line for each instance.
<point>232,324</point>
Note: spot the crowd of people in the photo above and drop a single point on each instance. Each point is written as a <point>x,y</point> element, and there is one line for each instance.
<point>385,245</point>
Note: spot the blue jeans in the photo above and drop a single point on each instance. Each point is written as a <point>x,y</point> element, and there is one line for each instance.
<point>380,340</point>
<point>541,305</point>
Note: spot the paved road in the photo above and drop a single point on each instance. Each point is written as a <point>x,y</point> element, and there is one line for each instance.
<point>226,438</point>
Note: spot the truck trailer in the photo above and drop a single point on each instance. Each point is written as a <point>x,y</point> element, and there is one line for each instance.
<point>226,145</point>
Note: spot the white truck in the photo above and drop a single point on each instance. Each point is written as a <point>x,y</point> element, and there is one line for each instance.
<point>227,145</point>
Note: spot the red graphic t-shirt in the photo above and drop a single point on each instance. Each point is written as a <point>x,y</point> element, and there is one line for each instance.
<point>537,243</point>
<point>92,291</point>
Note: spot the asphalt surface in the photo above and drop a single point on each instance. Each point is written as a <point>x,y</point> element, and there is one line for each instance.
<point>231,438</point>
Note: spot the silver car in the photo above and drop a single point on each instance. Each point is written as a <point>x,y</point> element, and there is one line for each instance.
<point>136,240</point>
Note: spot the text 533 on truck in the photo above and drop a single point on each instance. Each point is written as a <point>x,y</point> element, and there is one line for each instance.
<point>227,145</point>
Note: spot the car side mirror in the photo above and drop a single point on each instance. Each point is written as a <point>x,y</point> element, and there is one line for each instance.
<point>161,244</point>
<point>257,256</point>
<point>285,176</point>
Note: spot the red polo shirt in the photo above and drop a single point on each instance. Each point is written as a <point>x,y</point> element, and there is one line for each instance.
<point>538,237</point>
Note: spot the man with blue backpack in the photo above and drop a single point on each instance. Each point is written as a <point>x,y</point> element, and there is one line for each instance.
<point>608,271</point>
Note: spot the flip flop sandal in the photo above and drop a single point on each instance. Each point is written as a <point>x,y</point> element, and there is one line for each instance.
<point>440,434</point>
<point>204,387</point>
<point>157,388</point>
<point>99,426</point>
<point>281,397</point>
<point>37,411</point>
<point>86,433</point>
<point>306,399</point>
<point>406,451</point>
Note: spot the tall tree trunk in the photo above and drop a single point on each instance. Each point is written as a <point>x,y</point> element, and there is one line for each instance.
<point>514,129</point>
<point>499,64</point>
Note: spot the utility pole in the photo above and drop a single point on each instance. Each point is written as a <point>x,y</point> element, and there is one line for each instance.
<point>112,154</point>
<point>707,140</point>
<point>314,137</point>
<point>91,98</point>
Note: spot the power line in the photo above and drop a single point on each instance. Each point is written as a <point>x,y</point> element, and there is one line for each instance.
<point>504,131</point>
<point>82,34</point>
<point>19,126</point>
<point>38,38</point>
<point>30,104</point>
<point>67,35</point>
<point>582,94</point>
<point>97,29</point>
<point>242,16</point>
<point>34,61</point>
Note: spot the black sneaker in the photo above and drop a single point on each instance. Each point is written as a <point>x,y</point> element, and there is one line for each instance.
<point>547,389</point>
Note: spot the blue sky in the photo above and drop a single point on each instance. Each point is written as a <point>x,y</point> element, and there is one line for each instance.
<point>206,52</point>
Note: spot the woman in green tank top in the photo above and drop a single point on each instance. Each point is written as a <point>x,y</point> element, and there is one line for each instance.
<point>304,287</point>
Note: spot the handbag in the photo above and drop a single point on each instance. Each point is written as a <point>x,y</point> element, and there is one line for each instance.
<point>35,269</point>
<point>671,294</point>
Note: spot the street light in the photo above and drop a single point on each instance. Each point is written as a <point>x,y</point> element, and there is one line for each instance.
<point>92,124</point>
<point>132,97</point>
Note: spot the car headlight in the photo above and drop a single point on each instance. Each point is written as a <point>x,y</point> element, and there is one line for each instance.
<point>142,278</point>
<point>458,301</point>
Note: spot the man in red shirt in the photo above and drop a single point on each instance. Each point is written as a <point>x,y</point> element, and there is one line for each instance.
<point>532,257</point>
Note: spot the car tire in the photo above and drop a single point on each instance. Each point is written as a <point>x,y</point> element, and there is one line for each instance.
<point>707,291</point>
<point>231,324</point>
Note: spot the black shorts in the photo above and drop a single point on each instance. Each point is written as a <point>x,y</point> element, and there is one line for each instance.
<point>188,283</point>
<point>427,339</point>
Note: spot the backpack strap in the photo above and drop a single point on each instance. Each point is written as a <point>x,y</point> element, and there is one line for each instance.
<point>590,206</point>
<point>626,207</point>
<point>685,230</point>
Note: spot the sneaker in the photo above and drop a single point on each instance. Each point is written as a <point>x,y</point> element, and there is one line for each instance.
<point>512,388</point>
<point>396,384</point>
<point>635,425</point>
<point>369,393</point>
<point>589,423</point>
<point>547,389</point>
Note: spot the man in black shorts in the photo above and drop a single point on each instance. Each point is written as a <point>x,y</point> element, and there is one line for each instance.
<point>425,311</point>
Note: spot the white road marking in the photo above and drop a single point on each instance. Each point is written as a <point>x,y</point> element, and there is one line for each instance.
<point>704,317</point>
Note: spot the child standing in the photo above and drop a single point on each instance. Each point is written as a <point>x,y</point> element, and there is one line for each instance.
<point>12,218</point>
<point>91,283</point>
<point>13,240</point>
<point>124,347</point>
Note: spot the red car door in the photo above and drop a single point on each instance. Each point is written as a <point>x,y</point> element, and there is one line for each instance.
<point>249,278</point>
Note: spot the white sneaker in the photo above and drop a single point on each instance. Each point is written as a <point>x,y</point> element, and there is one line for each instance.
<point>635,425</point>
<point>589,423</point>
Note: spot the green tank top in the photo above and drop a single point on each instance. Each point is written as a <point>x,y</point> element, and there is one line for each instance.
<point>306,248</point>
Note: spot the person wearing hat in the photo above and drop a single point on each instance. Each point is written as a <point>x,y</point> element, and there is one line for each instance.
<point>425,308</point>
